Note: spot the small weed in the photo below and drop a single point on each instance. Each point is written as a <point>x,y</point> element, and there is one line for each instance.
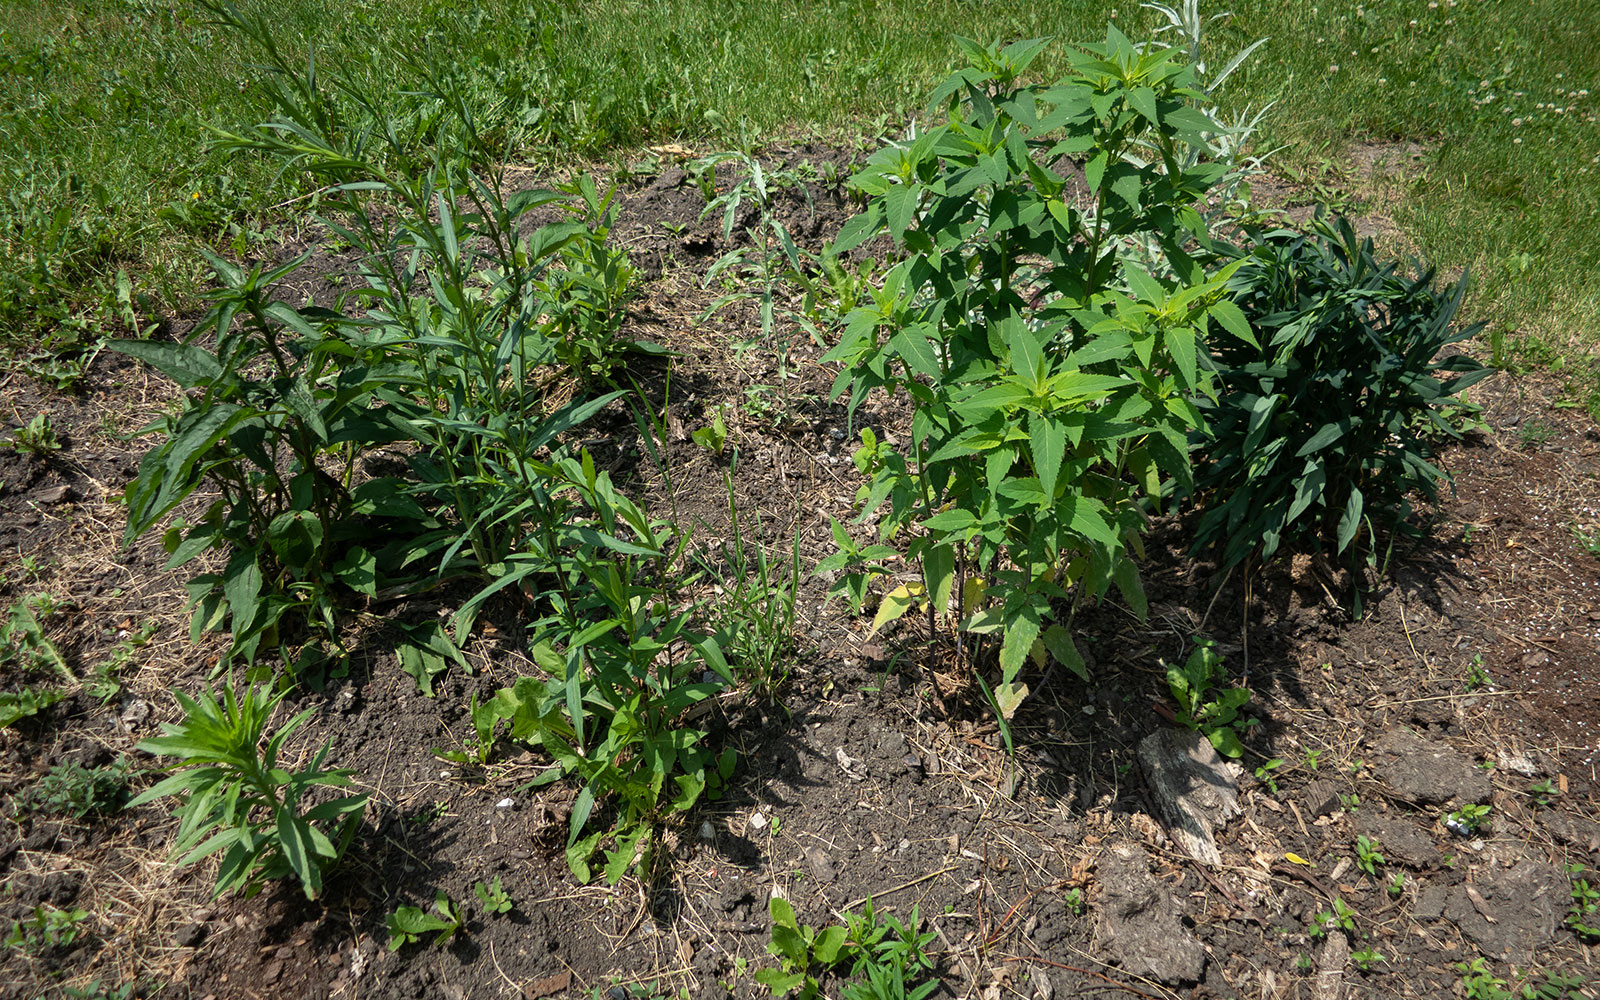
<point>1204,703</point>
<point>1588,540</point>
<point>1544,793</point>
<point>1535,434</point>
<point>1349,802</point>
<point>714,436</point>
<point>1477,676</point>
<point>1313,757</point>
<point>1264,774</point>
<point>76,791</point>
<point>407,924</point>
<point>48,928</point>
<point>1466,820</point>
<point>1584,916</point>
<point>1341,917</point>
<point>1479,983</point>
<point>1397,885</point>
<point>1366,958</point>
<point>1073,898</point>
<point>1367,857</point>
<point>38,438</point>
<point>25,703</point>
<point>493,897</point>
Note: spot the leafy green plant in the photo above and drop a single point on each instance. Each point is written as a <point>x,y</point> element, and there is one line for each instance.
<point>25,703</point>
<point>38,437</point>
<point>714,436</point>
<point>1589,541</point>
<point>104,680</point>
<point>493,897</point>
<point>1467,819</point>
<point>1203,703</point>
<point>1533,435</point>
<point>407,924</point>
<point>799,949</point>
<point>48,928</point>
<point>752,618</point>
<point>1367,857</point>
<point>1319,430</point>
<point>1544,793</point>
<point>622,667</point>
<point>1477,676</point>
<point>1478,981</point>
<point>1264,773</point>
<point>1051,379</point>
<point>1339,917</point>
<point>77,791</point>
<point>890,956</point>
<point>1584,916</point>
<point>1366,958</point>
<point>1396,887</point>
<point>772,256</point>
<point>233,796</point>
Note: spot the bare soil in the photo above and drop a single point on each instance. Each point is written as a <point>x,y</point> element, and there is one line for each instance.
<point>1473,674</point>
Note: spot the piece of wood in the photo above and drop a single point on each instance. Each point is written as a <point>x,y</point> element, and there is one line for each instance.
<point>1194,789</point>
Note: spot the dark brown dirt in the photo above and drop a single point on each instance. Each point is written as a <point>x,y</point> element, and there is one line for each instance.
<point>1483,644</point>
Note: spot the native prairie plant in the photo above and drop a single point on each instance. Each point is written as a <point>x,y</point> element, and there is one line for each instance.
<point>1052,380</point>
<point>234,797</point>
<point>1324,426</point>
<point>465,325</point>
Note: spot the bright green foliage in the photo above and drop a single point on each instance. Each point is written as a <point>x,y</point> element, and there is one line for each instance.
<point>1204,703</point>
<point>38,437</point>
<point>493,897</point>
<point>1584,916</point>
<point>24,648</point>
<point>25,703</point>
<point>1052,380</point>
<point>1327,425</point>
<point>407,924</point>
<point>890,957</point>
<point>621,668</point>
<point>463,318</point>
<point>799,948</point>
<point>233,796</point>
<point>1367,857</point>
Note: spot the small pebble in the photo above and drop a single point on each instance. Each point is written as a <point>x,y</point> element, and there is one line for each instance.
<point>505,804</point>
<point>758,821</point>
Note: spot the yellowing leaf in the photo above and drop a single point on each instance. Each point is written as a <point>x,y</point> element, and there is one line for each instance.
<point>973,590</point>
<point>896,603</point>
<point>1009,697</point>
<point>1297,859</point>
<point>1038,653</point>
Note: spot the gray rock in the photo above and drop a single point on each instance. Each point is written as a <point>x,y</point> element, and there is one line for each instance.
<point>1525,901</point>
<point>1430,903</point>
<point>1400,840</point>
<point>1195,790</point>
<point>1138,922</point>
<point>1429,773</point>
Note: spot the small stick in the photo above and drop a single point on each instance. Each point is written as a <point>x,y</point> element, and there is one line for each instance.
<point>1082,971</point>
<point>901,887</point>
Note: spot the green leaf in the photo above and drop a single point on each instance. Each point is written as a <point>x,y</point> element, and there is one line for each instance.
<point>358,570</point>
<point>1059,642</point>
<point>186,364</point>
<point>1350,520</point>
<point>896,603</point>
<point>1143,100</point>
<point>1047,438</point>
<point>1008,697</point>
<point>1021,629</point>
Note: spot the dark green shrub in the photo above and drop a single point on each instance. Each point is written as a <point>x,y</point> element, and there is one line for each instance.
<point>1327,426</point>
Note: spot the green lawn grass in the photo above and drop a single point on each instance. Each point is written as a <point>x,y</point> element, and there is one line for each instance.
<point>106,107</point>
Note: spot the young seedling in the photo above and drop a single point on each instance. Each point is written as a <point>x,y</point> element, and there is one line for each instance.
<point>1366,958</point>
<point>1544,793</point>
<point>493,897</point>
<point>407,924</point>
<point>1367,857</point>
<point>1464,822</point>
<point>1264,774</point>
<point>1397,885</point>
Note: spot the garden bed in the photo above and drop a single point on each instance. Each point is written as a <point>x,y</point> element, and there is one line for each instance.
<point>1473,678</point>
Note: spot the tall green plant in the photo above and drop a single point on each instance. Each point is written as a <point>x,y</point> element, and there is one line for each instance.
<point>1323,429</point>
<point>1052,381</point>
